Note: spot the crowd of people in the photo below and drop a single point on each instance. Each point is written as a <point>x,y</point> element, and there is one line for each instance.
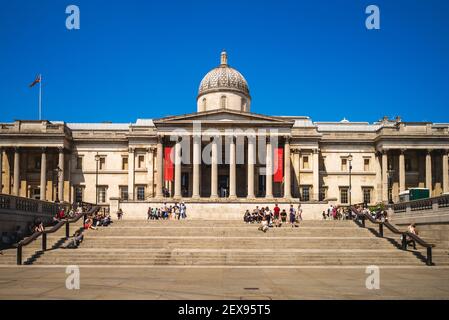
<point>177,211</point>
<point>273,217</point>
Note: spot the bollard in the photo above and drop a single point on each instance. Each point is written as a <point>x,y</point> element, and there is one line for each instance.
<point>44,242</point>
<point>67,229</point>
<point>381,229</point>
<point>429,256</point>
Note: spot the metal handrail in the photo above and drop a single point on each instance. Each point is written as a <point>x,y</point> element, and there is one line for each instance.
<point>59,225</point>
<point>392,228</point>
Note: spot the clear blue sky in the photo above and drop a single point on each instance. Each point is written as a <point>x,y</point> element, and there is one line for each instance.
<point>145,59</point>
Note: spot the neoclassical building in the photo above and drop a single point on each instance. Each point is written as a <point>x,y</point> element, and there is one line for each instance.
<point>223,153</point>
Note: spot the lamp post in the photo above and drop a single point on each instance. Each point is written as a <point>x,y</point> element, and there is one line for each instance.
<point>390,186</point>
<point>97,160</point>
<point>57,174</point>
<point>350,180</point>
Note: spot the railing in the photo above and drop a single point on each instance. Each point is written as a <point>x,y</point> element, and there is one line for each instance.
<point>423,204</point>
<point>28,205</point>
<point>404,234</point>
<point>87,210</point>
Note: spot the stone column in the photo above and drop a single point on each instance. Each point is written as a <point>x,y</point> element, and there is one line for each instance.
<point>16,172</point>
<point>131,173</point>
<point>385,175</point>
<point>150,170</point>
<point>378,165</point>
<point>214,169</point>
<point>159,167</point>
<point>196,166</point>
<point>429,171</point>
<point>61,174</point>
<point>250,164</point>
<point>43,190</point>
<point>177,162</point>
<point>269,170</point>
<point>1,170</point>
<point>232,170</point>
<point>445,172</point>
<point>401,170</point>
<point>297,169</point>
<point>287,169</point>
<point>316,175</point>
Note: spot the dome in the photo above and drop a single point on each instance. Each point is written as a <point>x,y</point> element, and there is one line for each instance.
<point>223,78</point>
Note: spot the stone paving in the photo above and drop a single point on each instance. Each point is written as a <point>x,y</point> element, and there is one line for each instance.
<point>198,283</point>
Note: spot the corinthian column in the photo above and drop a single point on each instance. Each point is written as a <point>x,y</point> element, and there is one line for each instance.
<point>159,167</point>
<point>61,175</point>
<point>401,171</point>
<point>16,171</point>
<point>178,170</point>
<point>250,164</point>
<point>429,171</point>
<point>43,174</point>
<point>269,170</point>
<point>196,166</point>
<point>287,169</point>
<point>1,170</point>
<point>445,172</point>
<point>316,175</point>
<point>385,175</point>
<point>232,170</point>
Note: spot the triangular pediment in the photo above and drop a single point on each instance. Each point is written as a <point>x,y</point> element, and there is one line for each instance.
<point>222,116</point>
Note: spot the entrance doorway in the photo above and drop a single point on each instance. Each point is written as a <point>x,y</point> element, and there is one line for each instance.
<point>185,184</point>
<point>223,186</point>
<point>35,192</point>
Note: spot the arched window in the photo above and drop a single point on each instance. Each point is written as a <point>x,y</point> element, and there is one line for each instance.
<point>223,102</point>
<point>204,104</point>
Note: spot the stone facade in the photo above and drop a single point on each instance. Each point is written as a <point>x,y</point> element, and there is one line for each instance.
<point>66,161</point>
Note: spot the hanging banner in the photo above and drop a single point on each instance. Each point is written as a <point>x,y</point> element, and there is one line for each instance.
<point>168,164</point>
<point>279,165</point>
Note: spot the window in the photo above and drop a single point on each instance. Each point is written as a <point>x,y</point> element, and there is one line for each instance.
<point>305,162</point>
<point>344,195</point>
<point>305,193</point>
<point>141,161</point>
<point>79,163</point>
<point>37,163</point>
<point>243,104</point>
<point>366,164</point>
<point>204,104</point>
<point>102,194</point>
<point>323,194</point>
<point>223,102</point>
<point>140,190</point>
<point>102,163</point>
<point>124,193</point>
<point>366,195</point>
<point>79,193</point>
<point>344,164</point>
<point>125,163</point>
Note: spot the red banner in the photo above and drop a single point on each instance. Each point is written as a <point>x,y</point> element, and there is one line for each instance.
<point>168,164</point>
<point>279,165</point>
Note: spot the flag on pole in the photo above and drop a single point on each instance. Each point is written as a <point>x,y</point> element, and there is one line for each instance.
<point>168,165</point>
<point>36,81</point>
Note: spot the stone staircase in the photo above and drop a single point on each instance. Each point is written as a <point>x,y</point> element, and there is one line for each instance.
<point>224,243</point>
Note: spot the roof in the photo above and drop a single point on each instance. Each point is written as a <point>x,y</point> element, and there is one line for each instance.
<point>98,126</point>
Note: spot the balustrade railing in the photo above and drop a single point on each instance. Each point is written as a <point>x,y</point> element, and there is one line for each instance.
<point>27,205</point>
<point>422,204</point>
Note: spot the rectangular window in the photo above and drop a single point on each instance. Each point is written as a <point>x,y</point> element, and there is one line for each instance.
<point>344,195</point>
<point>140,190</point>
<point>102,164</point>
<point>102,194</point>
<point>367,195</point>
<point>124,193</point>
<point>305,196</point>
<point>141,162</point>
<point>124,163</point>
<point>366,164</point>
<point>79,193</point>
<point>344,165</point>
<point>323,194</point>
<point>305,162</point>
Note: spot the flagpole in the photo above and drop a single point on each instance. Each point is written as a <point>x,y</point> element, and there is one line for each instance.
<point>40,97</point>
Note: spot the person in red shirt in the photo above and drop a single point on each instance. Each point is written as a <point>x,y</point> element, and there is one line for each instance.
<point>277,211</point>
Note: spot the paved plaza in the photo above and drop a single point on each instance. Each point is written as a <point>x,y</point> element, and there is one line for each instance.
<point>199,283</point>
